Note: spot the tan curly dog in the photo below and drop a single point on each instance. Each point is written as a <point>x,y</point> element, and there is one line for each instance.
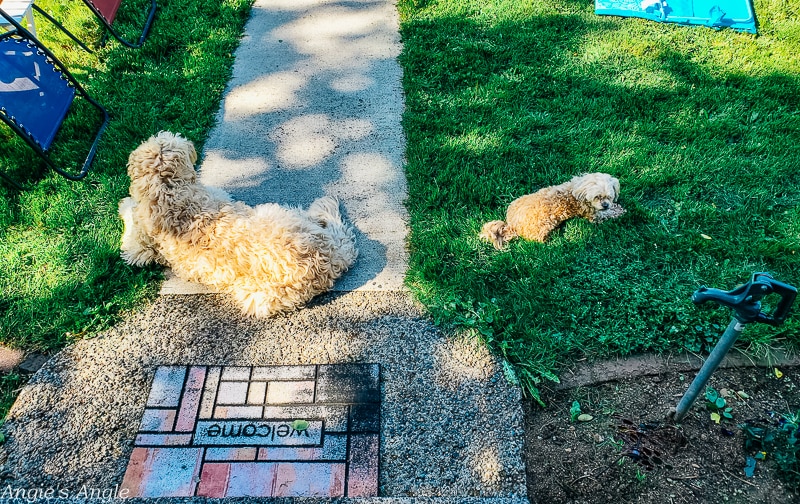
<point>534,216</point>
<point>268,257</point>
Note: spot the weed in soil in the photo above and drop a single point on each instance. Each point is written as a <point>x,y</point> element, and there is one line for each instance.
<point>776,436</point>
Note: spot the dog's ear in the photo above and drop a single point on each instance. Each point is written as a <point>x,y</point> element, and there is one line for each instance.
<point>179,157</point>
<point>143,160</point>
<point>579,187</point>
<point>176,163</point>
<point>615,185</point>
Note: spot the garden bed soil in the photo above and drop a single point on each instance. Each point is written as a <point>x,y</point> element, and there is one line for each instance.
<point>630,452</point>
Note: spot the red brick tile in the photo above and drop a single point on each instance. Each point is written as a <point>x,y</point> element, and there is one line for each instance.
<point>155,420</point>
<point>136,472</point>
<point>348,383</point>
<point>214,480</point>
<point>224,412</point>
<point>163,439</point>
<point>232,393</point>
<point>290,392</point>
<point>231,454</point>
<point>191,399</point>
<point>309,480</point>
<point>267,373</point>
<point>278,453</point>
<point>251,479</point>
<point>257,392</point>
<point>162,472</point>
<point>236,373</point>
<point>210,393</point>
<point>365,417</point>
<point>166,389</point>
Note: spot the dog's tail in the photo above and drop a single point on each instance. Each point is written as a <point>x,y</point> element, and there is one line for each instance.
<point>326,211</point>
<point>498,233</point>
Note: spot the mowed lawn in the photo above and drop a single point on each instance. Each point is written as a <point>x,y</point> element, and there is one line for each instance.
<point>702,128</point>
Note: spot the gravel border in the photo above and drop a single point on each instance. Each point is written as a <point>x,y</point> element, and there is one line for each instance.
<point>451,425</point>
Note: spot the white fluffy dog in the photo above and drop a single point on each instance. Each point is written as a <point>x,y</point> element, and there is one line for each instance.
<point>270,258</point>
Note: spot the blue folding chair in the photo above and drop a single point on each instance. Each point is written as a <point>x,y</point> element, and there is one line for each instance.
<point>36,93</point>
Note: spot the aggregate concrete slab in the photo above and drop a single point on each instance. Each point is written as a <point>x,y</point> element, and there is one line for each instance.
<point>450,425</point>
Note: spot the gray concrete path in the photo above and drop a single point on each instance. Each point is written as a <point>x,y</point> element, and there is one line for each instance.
<point>313,108</point>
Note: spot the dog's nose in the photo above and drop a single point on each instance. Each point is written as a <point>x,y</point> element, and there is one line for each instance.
<point>605,205</point>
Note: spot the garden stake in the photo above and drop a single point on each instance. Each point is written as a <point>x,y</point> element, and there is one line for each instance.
<point>745,301</point>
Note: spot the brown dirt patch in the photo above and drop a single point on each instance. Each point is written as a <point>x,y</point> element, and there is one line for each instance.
<point>631,453</point>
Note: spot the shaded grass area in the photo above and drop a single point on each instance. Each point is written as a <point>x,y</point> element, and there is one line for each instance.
<point>61,277</point>
<point>700,126</point>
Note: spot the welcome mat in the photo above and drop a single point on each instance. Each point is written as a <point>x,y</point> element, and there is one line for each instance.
<point>271,431</point>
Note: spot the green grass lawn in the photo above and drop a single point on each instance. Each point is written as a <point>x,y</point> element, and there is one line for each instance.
<point>702,128</point>
<point>61,277</point>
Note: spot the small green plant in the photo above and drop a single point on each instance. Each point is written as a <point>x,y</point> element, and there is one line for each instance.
<point>300,425</point>
<point>640,476</point>
<point>717,405</point>
<point>703,339</point>
<point>778,439</point>
<point>618,444</point>
<point>575,411</point>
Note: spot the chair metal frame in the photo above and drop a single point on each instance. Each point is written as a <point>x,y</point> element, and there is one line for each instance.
<point>151,14</point>
<point>18,31</point>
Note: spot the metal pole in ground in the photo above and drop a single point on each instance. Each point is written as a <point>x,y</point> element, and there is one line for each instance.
<point>745,301</point>
<point>725,343</point>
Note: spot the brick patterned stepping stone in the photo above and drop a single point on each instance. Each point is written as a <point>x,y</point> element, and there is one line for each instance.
<point>274,431</point>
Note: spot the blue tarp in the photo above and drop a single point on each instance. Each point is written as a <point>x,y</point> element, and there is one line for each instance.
<point>735,14</point>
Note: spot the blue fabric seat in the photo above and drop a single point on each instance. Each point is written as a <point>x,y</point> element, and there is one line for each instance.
<point>36,93</point>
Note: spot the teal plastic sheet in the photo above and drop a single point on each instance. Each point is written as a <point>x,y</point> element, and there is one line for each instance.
<point>734,14</point>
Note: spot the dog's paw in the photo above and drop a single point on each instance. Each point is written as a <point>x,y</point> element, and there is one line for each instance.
<point>613,212</point>
<point>219,194</point>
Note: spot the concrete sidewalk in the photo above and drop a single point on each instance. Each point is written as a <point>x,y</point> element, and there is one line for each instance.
<point>313,108</point>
